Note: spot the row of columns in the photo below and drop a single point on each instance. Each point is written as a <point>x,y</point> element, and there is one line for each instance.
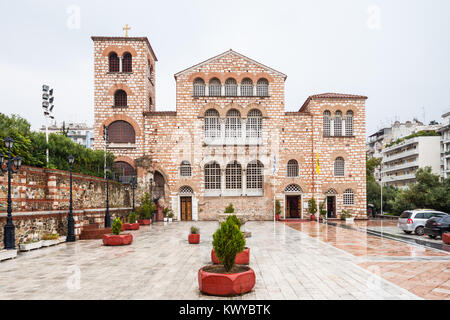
<point>238,93</point>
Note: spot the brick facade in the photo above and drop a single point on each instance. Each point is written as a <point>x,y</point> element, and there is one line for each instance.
<point>165,139</point>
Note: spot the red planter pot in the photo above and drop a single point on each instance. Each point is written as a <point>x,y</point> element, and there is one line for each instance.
<point>130,226</point>
<point>446,237</point>
<point>117,240</point>
<point>277,217</point>
<point>241,258</point>
<point>313,217</point>
<point>144,222</point>
<point>194,238</point>
<point>231,284</point>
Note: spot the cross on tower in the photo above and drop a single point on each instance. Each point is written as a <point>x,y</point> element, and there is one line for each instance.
<point>126,28</point>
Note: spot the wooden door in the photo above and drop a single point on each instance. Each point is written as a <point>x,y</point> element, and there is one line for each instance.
<point>186,208</point>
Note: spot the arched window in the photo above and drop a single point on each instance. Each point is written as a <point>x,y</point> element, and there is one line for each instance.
<point>212,124</point>
<point>123,171</point>
<point>349,123</point>
<point>185,169</point>
<point>326,123</point>
<point>233,175</point>
<point>212,176</point>
<point>293,189</point>
<point>339,167</point>
<point>255,175</point>
<point>254,124</point>
<point>233,128</point>
<point>127,65</point>
<point>199,87</point>
<point>247,87</point>
<point>215,88</point>
<point>338,123</point>
<point>113,62</point>
<point>121,132</point>
<point>120,98</point>
<point>292,168</point>
<point>230,87</point>
<point>262,88</point>
<point>185,190</point>
<point>349,197</point>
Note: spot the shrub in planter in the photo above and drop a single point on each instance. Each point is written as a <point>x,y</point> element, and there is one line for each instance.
<point>322,211</point>
<point>165,213</point>
<point>235,220</point>
<point>117,239</point>
<point>277,210</point>
<point>227,279</point>
<point>194,236</point>
<point>170,215</point>
<point>30,245</point>
<point>229,209</point>
<point>50,239</point>
<point>145,210</point>
<point>132,224</point>
<point>312,209</point>
<point>346,216</point>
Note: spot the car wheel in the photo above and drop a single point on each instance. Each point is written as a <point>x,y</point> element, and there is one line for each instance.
<point>419,231</point>
<point>431,236</point>
<point>407,232</point>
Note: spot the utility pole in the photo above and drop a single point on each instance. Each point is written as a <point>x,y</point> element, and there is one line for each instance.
<point>105,139</point>
<point>381,188</point>
<point>47,106</point>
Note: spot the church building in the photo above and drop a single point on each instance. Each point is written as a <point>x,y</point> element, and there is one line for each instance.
<point>230,139</point>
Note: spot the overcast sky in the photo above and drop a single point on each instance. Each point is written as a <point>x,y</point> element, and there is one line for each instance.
<point>397,52</point>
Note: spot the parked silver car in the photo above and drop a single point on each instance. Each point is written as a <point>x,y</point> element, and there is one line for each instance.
<point>414,220</point>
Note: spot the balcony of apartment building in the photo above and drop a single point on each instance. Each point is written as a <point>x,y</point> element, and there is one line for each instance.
<point>400,165</point>
<point>401,150</point>
<point>402,178</point>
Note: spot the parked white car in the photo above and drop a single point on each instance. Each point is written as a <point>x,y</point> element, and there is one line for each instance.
<point>414,220</point>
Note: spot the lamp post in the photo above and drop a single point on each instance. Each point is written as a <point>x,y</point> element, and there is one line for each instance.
<point>12,166</point>
<point>70,221</point>
<point>151,193</point>
<point>133,185</point>
<point>107,218</point>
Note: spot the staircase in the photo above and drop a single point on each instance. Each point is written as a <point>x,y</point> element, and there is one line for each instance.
<point>93,231</point>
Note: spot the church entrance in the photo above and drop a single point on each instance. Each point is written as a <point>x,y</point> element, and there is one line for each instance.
<point>293,205</point>
<point>186,208</point>
<point>331,206</point>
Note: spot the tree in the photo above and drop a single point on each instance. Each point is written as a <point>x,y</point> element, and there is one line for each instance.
<point>228,241</point>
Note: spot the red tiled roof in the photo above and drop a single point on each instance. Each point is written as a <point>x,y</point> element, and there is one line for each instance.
<point>330,95</point>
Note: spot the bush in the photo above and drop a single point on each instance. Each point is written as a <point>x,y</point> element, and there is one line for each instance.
<point>229,209</point>
<point>322,210</point>
<point>146,208</point>
<point>235,220</point>
<point>195,230</point>
<point>132,217</point>
<point>312,206</point>
<point>228,241</point>
<point>116,226</point>
<point>345,214</point>
<point>166,211</point>
<point>50,236</point>
<point>277,207</point>
<point>170,214</point>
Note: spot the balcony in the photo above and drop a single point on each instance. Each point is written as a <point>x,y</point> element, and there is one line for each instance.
<point>402,144</point>
<point>409,176</point>
<point>401,166</point>
<point>400,155</point>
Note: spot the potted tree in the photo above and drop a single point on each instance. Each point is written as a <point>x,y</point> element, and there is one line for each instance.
<point>132,224</point>
<point>194,236</point>
<point>241,257</point>
<point>227,279</point>
<point>165,212</point>
<point>277,210</point>
<point>145,210</point>
<point>345,215</point>
<point>312,209</point>
<point>170,215</point>
<point>117,239</point>
<point>322,212</point>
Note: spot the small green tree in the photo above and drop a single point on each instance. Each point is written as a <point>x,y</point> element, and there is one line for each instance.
<point>194,230</point>
<point>229,209</point>
<point>116,226</point>
<point>132,217</point>
<point>312,206</point>
<point>233,219</point>
<point>228,241</point>
<point>322,210</point>
<point>146,208</point>
<point>277,207</point>
<point>166,211</point>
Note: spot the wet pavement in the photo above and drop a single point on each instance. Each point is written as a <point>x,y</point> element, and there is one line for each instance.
<point>291,261</point>
<point>417,268</point>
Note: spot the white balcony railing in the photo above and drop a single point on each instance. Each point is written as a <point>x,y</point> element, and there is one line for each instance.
<point>409,176</point>
<point>400,155</point>
<point>400,166</point>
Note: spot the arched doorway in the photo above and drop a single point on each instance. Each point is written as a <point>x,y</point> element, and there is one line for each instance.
<point>293,201</point>
<point>185,194</point>
<point>158,186</point>
<point>331,203</point>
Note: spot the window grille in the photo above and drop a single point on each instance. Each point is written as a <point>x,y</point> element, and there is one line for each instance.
<point>292,168</point>
<point>349,197</point>
<point>185,169</point>
<point>247,87</point>
<point>233,176</point>
<point>339,167</point>
<point>230,87</point>
<point>120,98</point>
<point>212,176</point>
<point>331,192</point>
<point>233,128</point>
<point>121,132</point>
<point>199,87</point>
<point>262,88</point>
<point>255,175</point>
<point>113,62</point>
<point>338,123</point>
<point>326,123</point>
<point>185,190</point>
<point>293,188</point>
<point>127,65</point>
<point>254,124</point>
<point>215,88</point>
<point>123,171</point>
<point>349,123</point>
<point>212,124</point>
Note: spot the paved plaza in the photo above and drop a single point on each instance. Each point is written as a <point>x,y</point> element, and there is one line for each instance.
<point>291,261</point>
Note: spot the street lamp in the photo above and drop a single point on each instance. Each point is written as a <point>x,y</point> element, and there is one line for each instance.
<point>151,193</point>
<point>12,166</point>
<point>133,186</point>
<point>70,221</point>
<point>107,218</point>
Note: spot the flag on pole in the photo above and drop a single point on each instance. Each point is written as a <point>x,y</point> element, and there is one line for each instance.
<point>318,167</point>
